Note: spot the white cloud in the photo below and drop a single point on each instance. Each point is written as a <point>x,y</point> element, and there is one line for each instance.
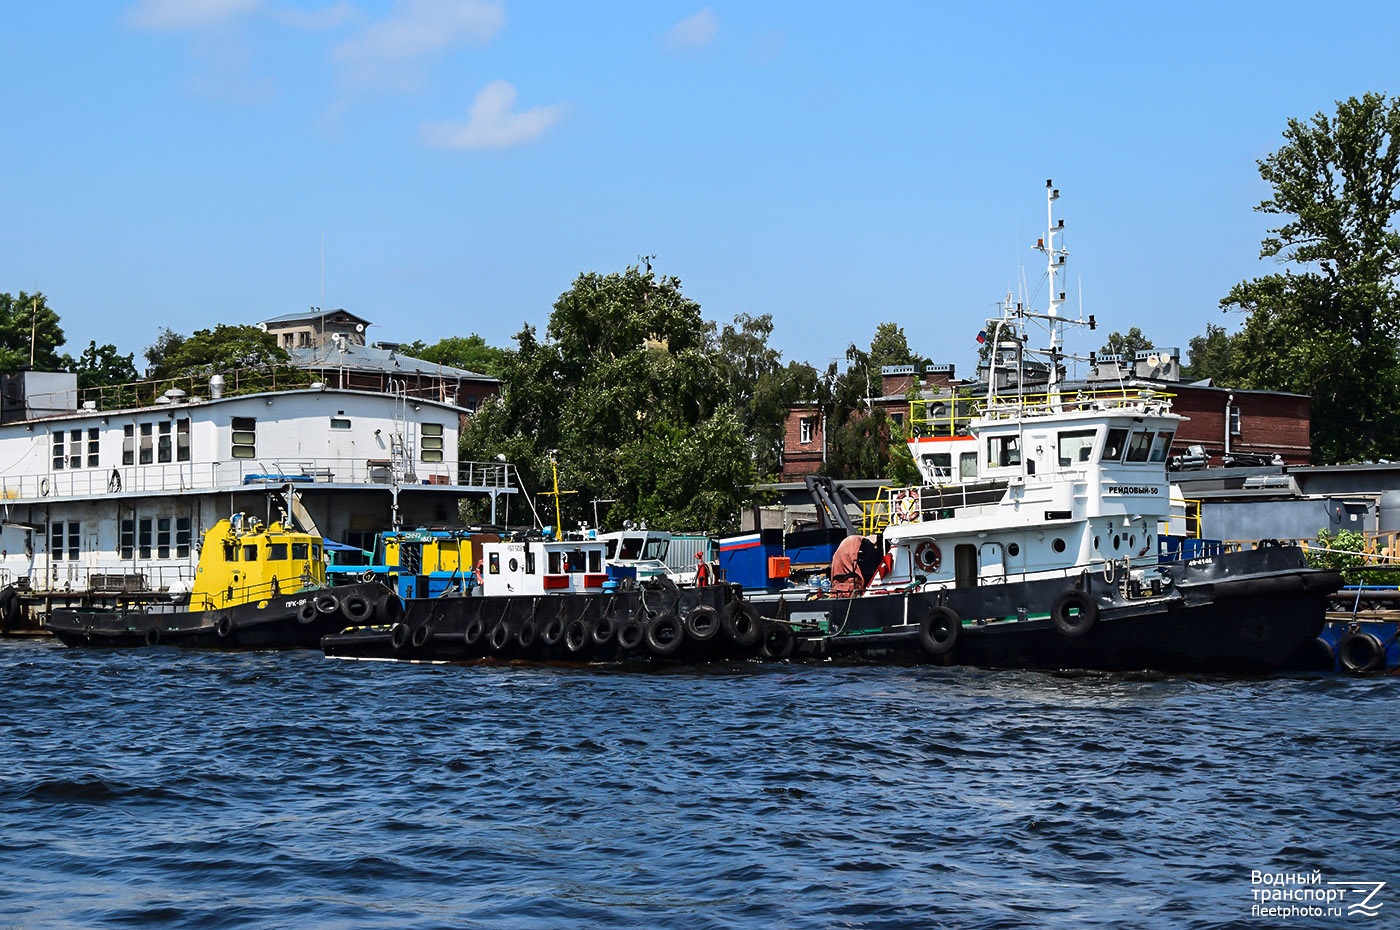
<point>695,31</point>
<point>492,124</point>
<point>392,50</point>
<point>327,17</point>
<point>188,14</point>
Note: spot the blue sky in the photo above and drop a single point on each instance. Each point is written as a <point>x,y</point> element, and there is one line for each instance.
<point>180,163</point>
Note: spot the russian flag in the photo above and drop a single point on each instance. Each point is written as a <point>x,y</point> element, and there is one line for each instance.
<point>981,336</point>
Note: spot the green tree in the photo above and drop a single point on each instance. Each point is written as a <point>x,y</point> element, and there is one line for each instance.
<point>1328,326</point>
<point>1210,356</point>
<point>624,388</point>
<point>758,385</point>
<point>102,367</point>
<point>246,356</point>
<point>1126,344</point>
<point>467,352</point>
<point>29,334</point>
<point>890,347</point>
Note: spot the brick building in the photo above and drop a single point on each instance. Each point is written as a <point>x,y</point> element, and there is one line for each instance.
<point>1223,424</point>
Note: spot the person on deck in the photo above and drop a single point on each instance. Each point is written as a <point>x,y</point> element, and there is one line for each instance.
<point>853,565</point>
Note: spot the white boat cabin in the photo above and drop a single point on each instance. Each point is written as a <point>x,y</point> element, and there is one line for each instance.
<point>543,567</point>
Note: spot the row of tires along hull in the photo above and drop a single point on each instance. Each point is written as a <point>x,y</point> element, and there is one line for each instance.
<point>702,624</point>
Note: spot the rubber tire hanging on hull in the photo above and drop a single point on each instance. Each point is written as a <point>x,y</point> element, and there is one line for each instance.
<point>225,626</point>
<point>307,613</point>
<point>665,634</point>
<point>400,636</point>
<point>742,624</point>
<point>702,623</point>
<point>1360,653</point>
<point>1073,613</point>
<point>778,641</point>
<point>357,608</point>
<point>938,630</point>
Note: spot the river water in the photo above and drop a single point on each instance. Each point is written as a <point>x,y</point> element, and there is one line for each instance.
<point>159,788</point>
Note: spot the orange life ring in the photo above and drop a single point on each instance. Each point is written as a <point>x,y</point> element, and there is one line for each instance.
<point>907,506</point>
<point>927,556</point>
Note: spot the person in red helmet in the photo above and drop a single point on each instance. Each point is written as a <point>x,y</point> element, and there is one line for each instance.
<point>702,571</point>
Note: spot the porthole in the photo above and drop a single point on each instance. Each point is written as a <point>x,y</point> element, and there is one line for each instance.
<point>515,565</point>
<point>1096,542</point>
<point>1013,549</point>
<point>1132,541</point>
<point>1058,545</point>
<point>1117,541</point>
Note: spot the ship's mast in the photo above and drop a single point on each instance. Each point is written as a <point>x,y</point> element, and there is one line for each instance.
<point>1055,255</point>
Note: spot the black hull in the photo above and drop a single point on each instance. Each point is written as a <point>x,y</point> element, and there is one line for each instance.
<point>1245,613</point>
<point>294,621</point>
<point>690,625</point>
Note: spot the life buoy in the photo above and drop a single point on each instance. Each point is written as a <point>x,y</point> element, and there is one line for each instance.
<point>906,507</point>
<point>43,487</point>
<point>938,630</point>
<point>702,623</point>
<point>1073,613</point>
<point>1360,653</point>
<point>927,556</point>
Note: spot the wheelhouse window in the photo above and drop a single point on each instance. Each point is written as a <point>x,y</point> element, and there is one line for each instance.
<point>92,446</point>
<point>277,552</point>
<point>1114,446</point>
<point>147,446</point>
<point>129,444</point>
<point>1139,446</point>
<point>939,466</point>
<point>245,438</point>
<point>128,539</point>
<point>144,526</point>
<point>67,449</point>
<point>165,447</point>
<point>182,537</point>
<point>1003,451</point>
<point>163,538</point>
<point>340,422</point>
<point>967,465</point>
<point>1161,445</point>
<point>1076,447</point>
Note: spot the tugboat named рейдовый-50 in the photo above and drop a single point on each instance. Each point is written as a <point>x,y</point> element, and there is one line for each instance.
<point>1035,540</point>
<point>257,587</point>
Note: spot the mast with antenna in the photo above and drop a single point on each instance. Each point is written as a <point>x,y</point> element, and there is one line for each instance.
<point>1055,256</point>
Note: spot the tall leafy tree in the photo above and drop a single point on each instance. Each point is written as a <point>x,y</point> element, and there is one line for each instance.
<point>891,347</point>
<point>625,393</point>
<point>248,357</point>
<point>1126,344</point>
<point>471,353</point>
<point>29,334</point>
<point>1210,356</point>
<point>1328,325</point>
<point>758,385</point>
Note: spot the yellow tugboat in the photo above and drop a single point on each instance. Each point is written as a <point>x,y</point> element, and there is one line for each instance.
<point>256,587</point>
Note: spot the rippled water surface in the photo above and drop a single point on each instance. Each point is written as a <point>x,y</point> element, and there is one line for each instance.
<point>158,788</point>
